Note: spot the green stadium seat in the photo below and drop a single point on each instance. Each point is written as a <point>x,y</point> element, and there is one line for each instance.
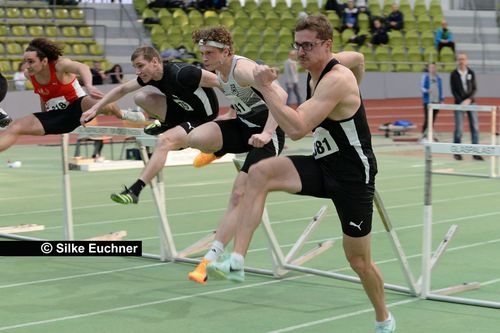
<point>14,48</point>
<point>412,38</point>
<point>234,6</point>
<point>430,55</point>
<point>5,66</point>
<point>288,20</point>
<point>375,9</point>
<point>280,6</point>
<point>383,57</point>
<point>257,20</point>
<point>194,15</point>
<point>363,22</point>
<point>400,60</point>
<point>415,57</point>
<point>265,6</point>
<point>312,7</point>
<point>396,38</point>
<point>29,13</point>
<point>69,31</point>
<point>13,13</point>
<point>4,30</point>
<point>19,31</point>
<point>67,49</point>
<point>36,31</point>
<point>86,31</point>
<point>285,37</point>
<point>140,5</point>
<point>333,18</point>
<point>2,12</point>
<point>80,49</point>
<point>226,18</point>
<point>77,14</point>
<point>346,35</point>
<point>427,39</point>
<point>250,7</point>
<point>158,35</point>
<point>96,49</point>
<point>447,55</point>
<point>269,37</point>
<point>2,48</point>
<point>273,21</point>
<point>211,18</point>
<point>419,8</point>
<point>253,35</point>
<point>180,18</point>
<point>424,23</point>
<point>45,13</point>
<point>409,23</point>
<point>61,14</point>
<point>296,7</point>
<point>51,31</point>
<point>350,47</point>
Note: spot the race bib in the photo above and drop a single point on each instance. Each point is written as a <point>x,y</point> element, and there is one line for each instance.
<point>182,104</point>
<point>56,103</point>
<point>238,105</point>
<point>323,143</point>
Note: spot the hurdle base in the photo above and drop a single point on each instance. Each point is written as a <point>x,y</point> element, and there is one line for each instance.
<point>116,235</point>
<point>21,228</point>
<point>457,289</point>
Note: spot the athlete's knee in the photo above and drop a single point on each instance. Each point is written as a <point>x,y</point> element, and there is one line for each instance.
<point>236,196</point>
<point>259,174</point>
<point>167,142</point>
<point>141,97</point>
<point>359,263</point>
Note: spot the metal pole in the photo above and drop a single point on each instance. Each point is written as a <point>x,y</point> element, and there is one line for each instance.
<point>427,227</point>
<point>68,209</point>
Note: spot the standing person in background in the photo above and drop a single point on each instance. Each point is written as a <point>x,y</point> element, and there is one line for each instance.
<point>463,88</point>
<point>292,77</point>
<point>20,78</point>
<point>432,92</point>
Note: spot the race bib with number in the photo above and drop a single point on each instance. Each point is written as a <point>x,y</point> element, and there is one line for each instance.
<point>238,105</point>
<point>323,143</point>
<point>56,103</point>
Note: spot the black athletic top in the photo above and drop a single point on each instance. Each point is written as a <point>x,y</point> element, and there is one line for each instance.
<point>344,147</point>
<point>4,86</point>
<point>180,84</point>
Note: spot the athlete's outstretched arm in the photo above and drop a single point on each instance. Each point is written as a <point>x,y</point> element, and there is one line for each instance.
<point>209,80</point>
<point>112,96</point>
<point>355,61</point>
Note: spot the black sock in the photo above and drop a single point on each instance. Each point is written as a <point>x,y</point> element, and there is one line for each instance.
<point>137,187</point>
<point>219,153</point>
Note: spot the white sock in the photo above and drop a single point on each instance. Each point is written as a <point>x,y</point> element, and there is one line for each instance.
<point>215,251</point>
<point>238,260</point>
<point>385,321</point>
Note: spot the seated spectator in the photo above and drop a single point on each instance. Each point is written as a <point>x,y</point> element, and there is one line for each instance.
<point>350,17</point>
<point>379,34</point>
<point>443,37</point>
<point>115,74</point>
<point>395,19</point>
<point>98,74</point>
<point>336,6</point>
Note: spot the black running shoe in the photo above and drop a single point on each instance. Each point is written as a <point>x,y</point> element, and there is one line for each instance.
<point>5,119</point>
<point>155,128</point>
<point>125,197</point>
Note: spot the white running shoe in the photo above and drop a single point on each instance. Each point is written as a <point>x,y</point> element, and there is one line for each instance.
<point>387,326</point>
<point>133,116</point>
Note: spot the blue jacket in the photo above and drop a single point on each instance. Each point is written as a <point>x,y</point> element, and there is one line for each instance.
<point>439,36</point>
<point>425,85</point>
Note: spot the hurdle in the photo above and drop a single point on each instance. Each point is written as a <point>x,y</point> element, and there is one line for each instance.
<point>429,260</point>
<point>282,263</point>
<point>494,165</point>
<point>167,247</point>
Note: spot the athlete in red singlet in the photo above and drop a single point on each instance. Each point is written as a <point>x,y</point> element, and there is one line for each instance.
<point>62,97</point>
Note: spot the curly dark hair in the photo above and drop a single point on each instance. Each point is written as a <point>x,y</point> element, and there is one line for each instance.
<point>45,48</point>
<point>218,34</point>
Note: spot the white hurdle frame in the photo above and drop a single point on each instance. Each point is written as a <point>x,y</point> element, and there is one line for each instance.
<point>494,165</point>
<point>428,259</point>
<point>283,264</point>
<point>168,250</point>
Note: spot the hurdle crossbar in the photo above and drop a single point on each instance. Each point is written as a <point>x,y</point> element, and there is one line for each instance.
<point>494,165</point>
<point>14,229</point>
<point>428,259</point>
